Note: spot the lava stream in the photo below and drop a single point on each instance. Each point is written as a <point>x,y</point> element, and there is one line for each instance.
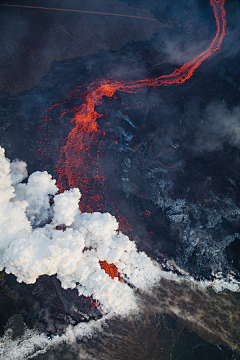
<point>110,269</point>
<point>76,154</point>
<point>79,166</point>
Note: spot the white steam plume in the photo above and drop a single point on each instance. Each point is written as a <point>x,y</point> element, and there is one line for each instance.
<point>28,251</point>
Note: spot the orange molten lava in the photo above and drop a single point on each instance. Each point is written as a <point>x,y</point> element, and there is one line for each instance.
<point>94,305</point>
<point>79,165</point>
<point>110,269</point>
<point>79,162</point>
<point>147,214</point>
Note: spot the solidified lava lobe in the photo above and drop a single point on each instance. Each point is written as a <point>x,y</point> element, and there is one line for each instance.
<point>110,269</point>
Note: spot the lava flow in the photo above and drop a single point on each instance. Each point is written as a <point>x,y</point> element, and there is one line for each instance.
<point>79,166</point>
<point>110,269</point>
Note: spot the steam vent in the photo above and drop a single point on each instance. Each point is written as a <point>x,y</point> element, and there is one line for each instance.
<point>120,180</point>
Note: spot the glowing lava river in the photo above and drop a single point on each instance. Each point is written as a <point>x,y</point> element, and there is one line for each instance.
<point>72,170</point>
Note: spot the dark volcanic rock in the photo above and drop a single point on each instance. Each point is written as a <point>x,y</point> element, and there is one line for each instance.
<point>44,305</point>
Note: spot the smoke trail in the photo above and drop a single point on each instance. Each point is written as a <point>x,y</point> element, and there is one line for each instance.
<point>78,11</point>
